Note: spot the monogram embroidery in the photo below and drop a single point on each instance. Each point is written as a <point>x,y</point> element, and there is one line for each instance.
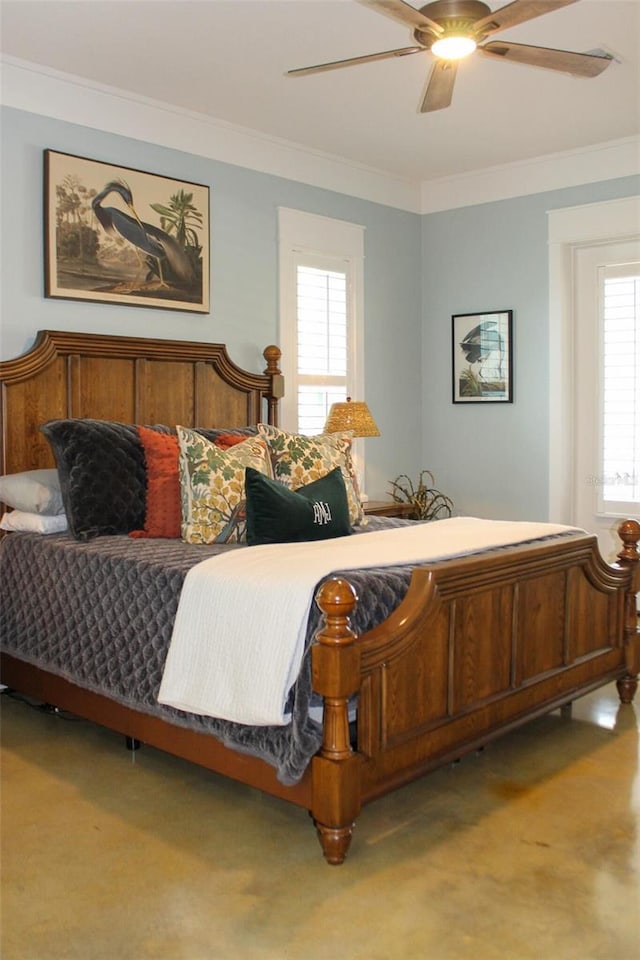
<point>321,512</point>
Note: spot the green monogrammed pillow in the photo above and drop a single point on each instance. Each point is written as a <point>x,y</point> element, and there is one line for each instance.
<point>317,511</point>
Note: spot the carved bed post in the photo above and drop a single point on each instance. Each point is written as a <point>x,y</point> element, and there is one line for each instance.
<point>629,558</point>
<point>272,355</point>
<point>336,676</point>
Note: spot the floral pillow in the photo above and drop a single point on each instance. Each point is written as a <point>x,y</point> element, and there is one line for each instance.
<point>297,460</point>
<point>212,486</point>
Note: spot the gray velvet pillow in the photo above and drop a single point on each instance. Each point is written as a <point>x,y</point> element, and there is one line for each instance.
<point>102,475</point>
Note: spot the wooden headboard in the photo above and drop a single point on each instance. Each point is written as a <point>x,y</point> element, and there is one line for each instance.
<point>128,379</point>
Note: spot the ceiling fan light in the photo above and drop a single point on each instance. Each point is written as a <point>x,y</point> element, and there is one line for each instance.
<point>453,48</point>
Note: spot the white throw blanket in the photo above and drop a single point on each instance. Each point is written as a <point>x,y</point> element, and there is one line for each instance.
<point>239,633</point>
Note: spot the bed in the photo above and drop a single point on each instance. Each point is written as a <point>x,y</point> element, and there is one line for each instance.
<point>412,667</point>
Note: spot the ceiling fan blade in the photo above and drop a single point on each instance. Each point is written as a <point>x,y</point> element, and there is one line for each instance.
<point>405,13</point>
<point>517,12</point>
<point>577,64</point>
<point>440,88</point>
<point>368,58</point>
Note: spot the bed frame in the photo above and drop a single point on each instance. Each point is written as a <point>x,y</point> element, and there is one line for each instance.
<point>479,646</point>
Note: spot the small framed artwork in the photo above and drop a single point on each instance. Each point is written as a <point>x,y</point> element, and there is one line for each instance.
<point>482,353</point>
<point>118,235</point>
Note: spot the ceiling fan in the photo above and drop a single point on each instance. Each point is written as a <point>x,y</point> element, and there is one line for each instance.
<point>453,29</point>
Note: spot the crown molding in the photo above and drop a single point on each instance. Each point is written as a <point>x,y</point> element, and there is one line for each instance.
<point>42,90</point>
<point>572,168</point>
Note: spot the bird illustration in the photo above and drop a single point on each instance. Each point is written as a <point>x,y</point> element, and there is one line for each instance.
<point>485,345</point>
<point>143,237</point>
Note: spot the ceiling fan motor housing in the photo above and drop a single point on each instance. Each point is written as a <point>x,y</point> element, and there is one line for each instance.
<point>456,17</point>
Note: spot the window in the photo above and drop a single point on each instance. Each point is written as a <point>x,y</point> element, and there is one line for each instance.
<point>619,489</point>
<point>321,284</point>
<point>591,246</point>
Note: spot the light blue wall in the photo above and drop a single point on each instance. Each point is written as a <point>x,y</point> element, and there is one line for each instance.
<point>244,272</point>
<point>493,458</point>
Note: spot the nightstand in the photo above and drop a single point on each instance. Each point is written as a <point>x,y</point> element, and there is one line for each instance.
<point>389,508</point>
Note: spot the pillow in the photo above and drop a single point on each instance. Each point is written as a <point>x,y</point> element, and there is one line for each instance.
<point>275,514</point>
<point>33,522</point>
<point>297,460</point>
<point>102,475</point>
<point>34,491</point>
<point>163,513</point>
<point>212,486</point>
<point>225,440</point>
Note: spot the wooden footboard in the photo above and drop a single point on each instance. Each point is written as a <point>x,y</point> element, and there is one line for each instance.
<point>478,647</point>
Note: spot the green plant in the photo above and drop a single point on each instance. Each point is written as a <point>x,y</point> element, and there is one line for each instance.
<point>428,503</point>
<point>180,217</point>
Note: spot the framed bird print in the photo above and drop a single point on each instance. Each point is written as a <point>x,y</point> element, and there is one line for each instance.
<point>118,235</point>
<point>482,353</point>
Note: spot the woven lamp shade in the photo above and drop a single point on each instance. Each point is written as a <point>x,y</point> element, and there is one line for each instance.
<point>351,415</point>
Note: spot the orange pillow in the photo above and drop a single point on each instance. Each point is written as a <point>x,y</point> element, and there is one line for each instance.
<point>226,440</point>
<point>163,514</point>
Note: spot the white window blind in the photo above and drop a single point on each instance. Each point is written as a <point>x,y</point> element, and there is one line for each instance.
<point>321,316</point>
<point>322,347</point>
<point>619,486</point>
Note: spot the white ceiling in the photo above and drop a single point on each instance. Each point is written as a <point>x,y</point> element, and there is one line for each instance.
<point>227,59</point>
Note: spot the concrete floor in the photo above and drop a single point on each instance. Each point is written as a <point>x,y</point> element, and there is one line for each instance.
<point>527,851</point>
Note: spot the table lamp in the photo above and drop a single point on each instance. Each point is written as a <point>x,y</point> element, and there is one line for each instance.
<point>353,415</point>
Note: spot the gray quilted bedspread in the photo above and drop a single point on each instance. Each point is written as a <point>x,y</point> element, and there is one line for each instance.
<point>100,613</point>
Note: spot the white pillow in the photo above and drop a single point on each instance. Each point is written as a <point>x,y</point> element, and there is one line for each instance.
<point>33,522</point>
<point>34,491</point>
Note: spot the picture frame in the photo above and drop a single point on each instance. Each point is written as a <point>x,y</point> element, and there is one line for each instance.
<point>482,357</point>
<point>119,235</point>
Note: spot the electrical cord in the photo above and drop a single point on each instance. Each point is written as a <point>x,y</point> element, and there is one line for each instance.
<point>39,706</point>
